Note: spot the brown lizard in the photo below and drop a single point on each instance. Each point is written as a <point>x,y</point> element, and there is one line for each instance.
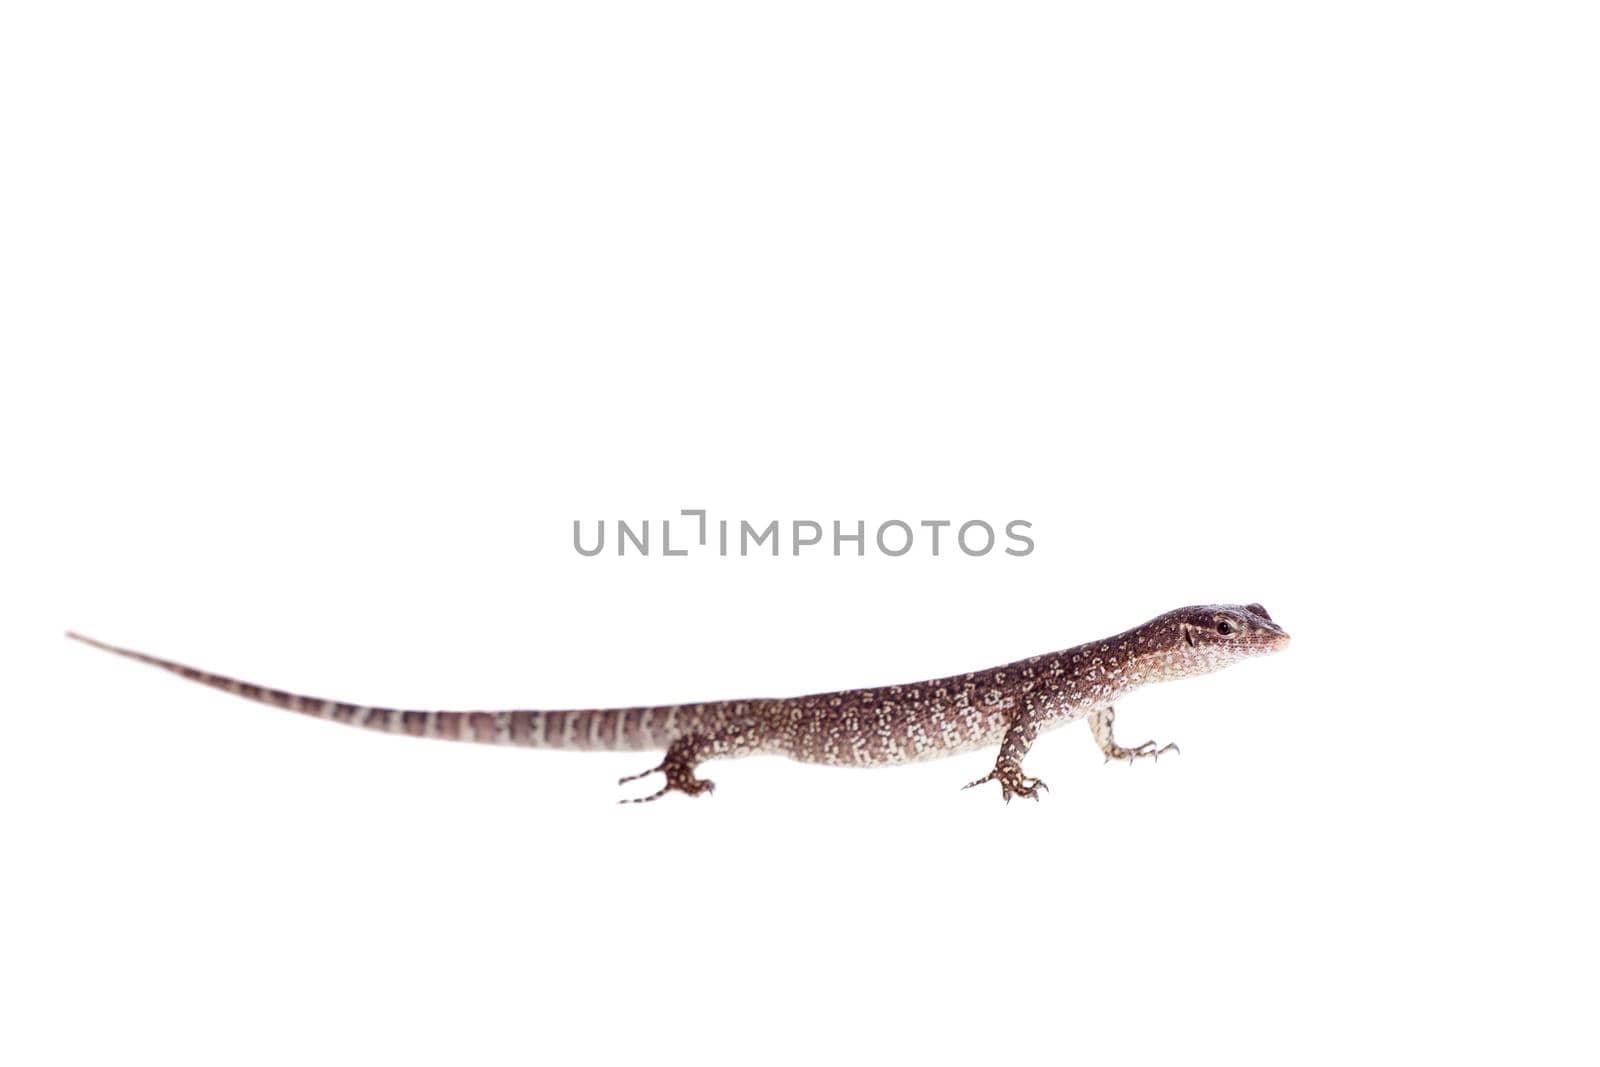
<point>1006,705</point>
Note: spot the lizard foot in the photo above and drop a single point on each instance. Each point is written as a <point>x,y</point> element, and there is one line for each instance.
<point>1148,750</point>
<point>1012,780</point>
<point>680,779</point>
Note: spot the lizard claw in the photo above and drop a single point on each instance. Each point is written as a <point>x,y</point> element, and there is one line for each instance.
<point>1012,781</point>
<point>1147,750</point>
<point>641,774</point>
<point>680,779</point>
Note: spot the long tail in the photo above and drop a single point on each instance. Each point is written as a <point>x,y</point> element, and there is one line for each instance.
<point>594,729</point>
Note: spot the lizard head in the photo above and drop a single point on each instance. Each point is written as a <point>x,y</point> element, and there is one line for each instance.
<point>1208,637</point>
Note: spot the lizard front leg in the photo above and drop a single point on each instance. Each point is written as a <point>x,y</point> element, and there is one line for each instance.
<point>1100,721</point>
<point>1008,766</point>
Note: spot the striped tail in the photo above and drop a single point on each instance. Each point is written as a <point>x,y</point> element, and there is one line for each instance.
<point>594,730</point>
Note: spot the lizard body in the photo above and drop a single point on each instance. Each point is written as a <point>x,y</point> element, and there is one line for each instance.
<point>1007,705</point>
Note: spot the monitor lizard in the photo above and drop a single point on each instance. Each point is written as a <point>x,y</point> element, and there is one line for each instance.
<point>1007,705</point>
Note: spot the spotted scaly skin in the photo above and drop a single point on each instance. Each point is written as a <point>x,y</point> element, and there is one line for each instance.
<point>1008,706</point>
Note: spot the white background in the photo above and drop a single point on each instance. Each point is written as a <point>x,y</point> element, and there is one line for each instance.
<point>325,320</point>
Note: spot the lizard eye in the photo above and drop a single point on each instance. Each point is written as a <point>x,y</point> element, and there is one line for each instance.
<point>1224,627</point>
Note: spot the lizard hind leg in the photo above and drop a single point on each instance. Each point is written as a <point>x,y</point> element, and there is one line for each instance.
<point>678,766</point>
